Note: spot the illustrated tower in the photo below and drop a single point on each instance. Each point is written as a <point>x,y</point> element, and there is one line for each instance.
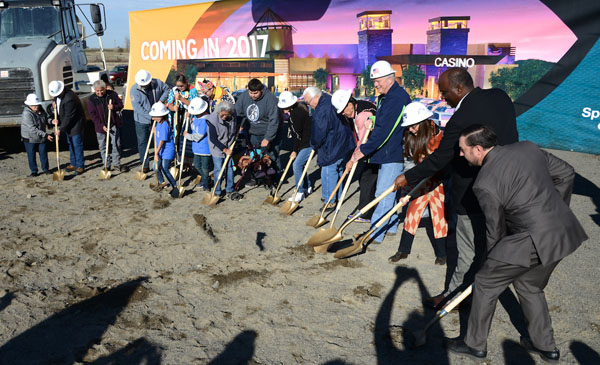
<point>448,35</point>
<point>374,36</point>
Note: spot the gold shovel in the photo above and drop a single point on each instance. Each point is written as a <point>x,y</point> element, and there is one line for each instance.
<point>325,237</point>
<point>359,244</point>
<point>179,187</point>
<point>290,207</point>
<point>211,199</point>
<point>140,175</point>
<point>319,220</point>
<point>105,174</point>
<point>58,175</point>
<point>274,199</point>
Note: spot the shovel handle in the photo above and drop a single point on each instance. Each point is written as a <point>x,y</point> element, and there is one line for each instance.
<point>366,208</point>
<point>148,145</point>
<point>222,169</point>
<point>56,138</point>
<point>185,127</point>
<point>456,301</point>
<point>346,187</point>
<point>400,204</point>
<point>312,153</point>
<point>107,135</point>
<point>337,186</point>
<point>287,167</point>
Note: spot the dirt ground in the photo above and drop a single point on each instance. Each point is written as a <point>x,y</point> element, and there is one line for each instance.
<point>110,272</point>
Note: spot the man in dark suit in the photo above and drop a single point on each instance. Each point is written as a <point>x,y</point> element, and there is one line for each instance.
<point>71,122</point>
<point>473,106</point>
<point>524,193</point>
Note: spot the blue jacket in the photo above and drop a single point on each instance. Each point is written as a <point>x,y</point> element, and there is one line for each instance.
<point>385,143</point>
<point>199,136</point>
<point>140,102</point>
<point>330,138</point>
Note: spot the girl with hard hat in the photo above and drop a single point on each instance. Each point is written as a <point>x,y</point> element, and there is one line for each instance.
<point>358,113</point>
<point>199,139</point>
<point>421,138</point>
<point>33,133</point>
<point>164,153</point>
<point>300,128</point>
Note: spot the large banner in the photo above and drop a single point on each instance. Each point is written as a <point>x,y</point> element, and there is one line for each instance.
<point>543,53</point>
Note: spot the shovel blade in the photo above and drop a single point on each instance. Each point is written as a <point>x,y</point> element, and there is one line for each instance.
<point>321,249</point>
<point>323,236</point>
<point>276,200</point>
<point>181,191</point>
<point>140,176</point>
<point>197,180</point>
<point>356,247</point>
<point>269,200</point>
<point>285,207</point>
<point>210,199</point>
<point>105,175</point>
<point>173,170</point>
<point>293,206</point>
<point>58,175</point>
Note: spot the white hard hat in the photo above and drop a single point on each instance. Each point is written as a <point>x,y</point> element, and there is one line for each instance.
<point>414,113</point>
<point>56,88</point>
<point>197,106</point>
<point>286,99</point>
<point>340,99</point>
<point>143,77</point>
<point>381,69</point>
<point>158,110</point>
<point>32,99</point>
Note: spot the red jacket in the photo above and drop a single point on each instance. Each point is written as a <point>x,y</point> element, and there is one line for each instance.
<point>97,111</point>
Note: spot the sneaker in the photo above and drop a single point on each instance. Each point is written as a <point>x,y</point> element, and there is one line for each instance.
<point>363,220</point>
<point>298,198</point>
<point>329,207</point>
<point>79,171</point>
<point>309,190</point>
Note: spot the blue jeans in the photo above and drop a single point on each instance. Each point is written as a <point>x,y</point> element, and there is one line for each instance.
<point>298,166</point>
<point>385,178</point>
<point>330,175</point>
<point>31,148</point>
<point>201,164</point>
<point>76,150</point>
<point>142,132</point>
<point>163,169</point>
<point>218,162</point>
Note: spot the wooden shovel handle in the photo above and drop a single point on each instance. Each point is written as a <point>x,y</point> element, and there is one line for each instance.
<point>56,137</point>
<point>366,208</point>
<point>348,182</point>
<point>148,145</point>
<point>107,135</point>
<point>186,121</point>
<point>400,204</point>
<point>312,153</point>
<point>287,167</point>
<point>456,301</point>
<point>223,167</point>
<point>337,186</point>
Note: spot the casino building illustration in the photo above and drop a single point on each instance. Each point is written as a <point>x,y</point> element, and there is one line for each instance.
<point>290,66</point>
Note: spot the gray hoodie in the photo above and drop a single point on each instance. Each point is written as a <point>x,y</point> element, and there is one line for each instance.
<point>33,125</point>
<point>261,116</point>
<point>221,134</point>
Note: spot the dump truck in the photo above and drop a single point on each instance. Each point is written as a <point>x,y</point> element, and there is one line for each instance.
<point>41,41</point>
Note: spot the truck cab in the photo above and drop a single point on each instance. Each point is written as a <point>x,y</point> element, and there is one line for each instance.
<point>41,41</point>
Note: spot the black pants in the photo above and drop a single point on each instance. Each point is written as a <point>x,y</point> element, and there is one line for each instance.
<point>439,244</point>
<point>367,181</point>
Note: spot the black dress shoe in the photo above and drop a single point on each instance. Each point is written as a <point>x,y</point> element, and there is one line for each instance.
<point>33,174</point>
<point>461,348</point>
<point>398,256</point>
<point>548,356</point>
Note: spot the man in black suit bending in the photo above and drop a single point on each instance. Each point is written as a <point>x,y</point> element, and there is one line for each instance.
<point>494,108</point>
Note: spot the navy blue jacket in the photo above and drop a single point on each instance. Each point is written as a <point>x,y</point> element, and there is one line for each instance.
<point>330,137</point>
<point>379,148</point>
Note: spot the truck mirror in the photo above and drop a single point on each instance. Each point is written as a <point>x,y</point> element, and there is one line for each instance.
<point>99,29</point>
<point>96,15</point>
